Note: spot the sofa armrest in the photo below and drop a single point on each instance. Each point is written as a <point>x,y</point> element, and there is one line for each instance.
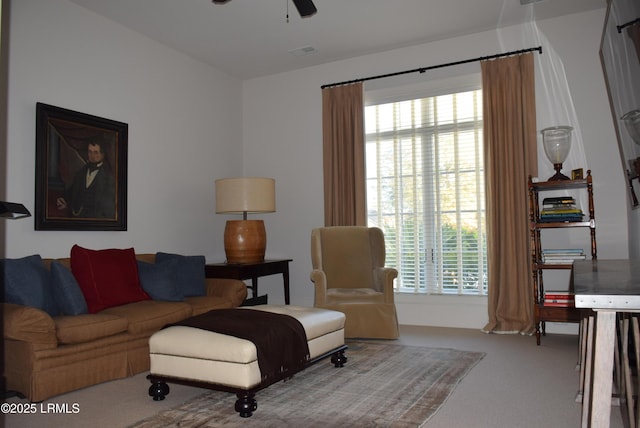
<point>232,290</point>
<point>28,324</point>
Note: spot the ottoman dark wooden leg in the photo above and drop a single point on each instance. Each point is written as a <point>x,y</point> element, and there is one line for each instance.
<point>339,359</point>
<point>246,404</point>
<point>158,389</point>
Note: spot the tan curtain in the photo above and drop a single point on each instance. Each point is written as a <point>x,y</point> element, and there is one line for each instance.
<point>343,156</point>
<point>510,156</point>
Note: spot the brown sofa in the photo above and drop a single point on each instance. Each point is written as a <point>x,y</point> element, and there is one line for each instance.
<point>45,356</point>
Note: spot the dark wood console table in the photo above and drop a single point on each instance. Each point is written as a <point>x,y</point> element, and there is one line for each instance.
<point>251,271</point>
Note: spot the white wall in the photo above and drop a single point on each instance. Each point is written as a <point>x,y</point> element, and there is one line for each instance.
<point>184,127</point>
<point>282,137</point>
<point>190,124</point>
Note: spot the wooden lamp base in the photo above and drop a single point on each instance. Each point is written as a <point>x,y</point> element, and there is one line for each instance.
<point>245,241</point>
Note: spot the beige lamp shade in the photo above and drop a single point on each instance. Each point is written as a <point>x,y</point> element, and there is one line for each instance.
<point>245,195</point>
<point>245,241</point>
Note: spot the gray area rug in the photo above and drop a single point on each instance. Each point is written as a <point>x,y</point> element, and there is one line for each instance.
<point>381,385</point>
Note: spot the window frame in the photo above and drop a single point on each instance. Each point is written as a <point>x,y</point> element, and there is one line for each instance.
<point>421,90</point>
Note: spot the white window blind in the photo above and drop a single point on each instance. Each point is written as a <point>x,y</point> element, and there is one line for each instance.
<point>425,190</point>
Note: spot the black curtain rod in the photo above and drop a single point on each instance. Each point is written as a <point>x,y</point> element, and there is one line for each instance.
<point>623,26</point>
<point>423,69</point>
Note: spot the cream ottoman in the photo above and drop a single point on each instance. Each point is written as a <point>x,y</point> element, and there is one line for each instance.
<point>203,358</point>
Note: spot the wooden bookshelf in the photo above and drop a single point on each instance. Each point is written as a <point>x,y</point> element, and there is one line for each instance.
<point>544,313</point>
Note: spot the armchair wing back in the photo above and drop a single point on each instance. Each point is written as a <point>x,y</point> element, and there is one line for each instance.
<point>349,276</point>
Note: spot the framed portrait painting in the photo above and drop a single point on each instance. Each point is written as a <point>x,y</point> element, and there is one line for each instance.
<point>81,171</point>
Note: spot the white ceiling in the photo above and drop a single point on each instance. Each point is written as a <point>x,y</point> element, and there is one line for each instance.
<point>252,38</point>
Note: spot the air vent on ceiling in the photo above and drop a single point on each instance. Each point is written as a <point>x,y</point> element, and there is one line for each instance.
<point>305,50</point>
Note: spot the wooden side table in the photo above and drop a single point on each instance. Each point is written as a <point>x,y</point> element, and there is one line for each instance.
<point>251,271</point>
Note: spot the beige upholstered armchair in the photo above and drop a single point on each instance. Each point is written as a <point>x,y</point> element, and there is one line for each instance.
<point>350,277</point>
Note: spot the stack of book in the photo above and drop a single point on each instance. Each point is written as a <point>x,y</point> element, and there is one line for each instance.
<point>562,256</point>
<point>560,209</point>
<point>559,298</point>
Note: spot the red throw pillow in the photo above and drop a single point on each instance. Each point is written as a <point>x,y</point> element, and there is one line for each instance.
<point>107,277</point>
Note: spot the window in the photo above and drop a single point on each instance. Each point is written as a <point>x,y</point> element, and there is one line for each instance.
<point>425,190</point>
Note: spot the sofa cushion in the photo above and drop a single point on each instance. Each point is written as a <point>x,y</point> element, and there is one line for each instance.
<point>26,282</point>
<point>66,291</point>
<point>150,315</point>
<point>159,280</point>
<point>190,272</point>
<point>107,277</point>
<point>88,327</point>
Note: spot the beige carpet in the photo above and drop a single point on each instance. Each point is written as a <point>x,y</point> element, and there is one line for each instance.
<point>381,385</point>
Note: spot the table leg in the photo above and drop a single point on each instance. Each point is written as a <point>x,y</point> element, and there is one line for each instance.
<point>254,286</point>
<point>588,372</point>
<point>636,346</point>
<point>600,402</point>
<point>626,390</point>
<point>285,280</point>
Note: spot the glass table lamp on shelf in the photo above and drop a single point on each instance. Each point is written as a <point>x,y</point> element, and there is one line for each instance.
<point>557,142</point>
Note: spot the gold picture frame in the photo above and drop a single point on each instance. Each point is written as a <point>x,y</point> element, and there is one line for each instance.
<point>577,174</point>
<point>66,143</point>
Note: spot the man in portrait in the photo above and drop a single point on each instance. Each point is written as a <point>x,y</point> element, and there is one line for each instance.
<point>91,193</point>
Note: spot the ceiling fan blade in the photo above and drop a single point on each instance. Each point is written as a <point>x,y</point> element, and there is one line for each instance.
<point>305,7</point>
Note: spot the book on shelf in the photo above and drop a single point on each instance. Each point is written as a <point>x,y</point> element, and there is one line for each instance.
<point>560,209</point>
<point>561,213</point>
<point>561,218</point>
<point>559,200</point>
<point>558,293</point>
<point>565,304</point>
<point>559,298</point>
<point>559,302</point>
<point>563,251</point>
<point>562,255</point>
<point>562,260</point>
<point>558,261</point>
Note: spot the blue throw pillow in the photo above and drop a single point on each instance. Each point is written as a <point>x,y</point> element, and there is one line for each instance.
<point>26,282</point>
<point>66,291</point>
<point>159,280</point>
<point>189,273</point>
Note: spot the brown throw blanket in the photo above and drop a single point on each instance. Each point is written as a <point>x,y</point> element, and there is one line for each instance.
<point>279,339</point>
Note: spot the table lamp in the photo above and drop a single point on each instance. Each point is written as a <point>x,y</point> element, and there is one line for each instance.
<point>245,240</point>
<point>557,142</point>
